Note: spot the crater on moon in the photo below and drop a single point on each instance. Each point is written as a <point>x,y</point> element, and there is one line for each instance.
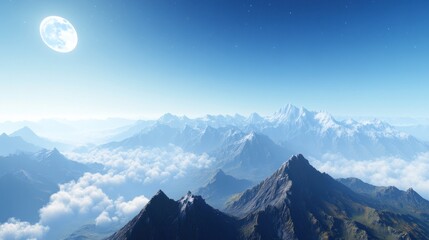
<point>58,34</point>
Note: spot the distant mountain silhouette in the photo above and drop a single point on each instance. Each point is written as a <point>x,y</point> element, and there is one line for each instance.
<point>12,145</point>
<point>29,136</point>
<point>221,187</point>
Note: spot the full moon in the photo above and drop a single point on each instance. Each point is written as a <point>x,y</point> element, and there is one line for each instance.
<point>58,34</point>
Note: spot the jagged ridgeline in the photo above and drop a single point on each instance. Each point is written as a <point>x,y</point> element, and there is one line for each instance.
<point>296,202</point>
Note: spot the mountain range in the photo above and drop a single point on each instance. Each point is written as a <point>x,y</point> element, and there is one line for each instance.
<point>29,136</point>
<point>408,201</point>
<point>296,202</point>
<point>313,133</point>
<point>254,147</point>
<point>13,144</point>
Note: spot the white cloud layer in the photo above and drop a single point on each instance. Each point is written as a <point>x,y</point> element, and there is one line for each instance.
<point>147,165</point>
<point>84,202</point>
<point>122,210</point>
<point>14,229</point>
<point>389,171</point>
<point>97,198</point>
<point>75,198</point>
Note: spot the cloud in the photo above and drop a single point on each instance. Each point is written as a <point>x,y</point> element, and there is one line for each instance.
<point>104,219</point>
<point>122,210</point>
<point>146,165</point>
<point>74,198</point>
<point>117,195</point>
<point>84,202</point>
<point>388,171</point>
<point>15,229</point>
<point>131,208</point>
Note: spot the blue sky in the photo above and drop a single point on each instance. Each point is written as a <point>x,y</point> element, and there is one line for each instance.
<point>145,58</point>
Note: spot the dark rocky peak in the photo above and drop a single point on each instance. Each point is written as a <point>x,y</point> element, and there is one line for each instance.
<point>295,181</point>
<point>297,167</point>
<point>188,218</point>
<point>299,160</point>
<point>159,196</point>
<point>158,208</point>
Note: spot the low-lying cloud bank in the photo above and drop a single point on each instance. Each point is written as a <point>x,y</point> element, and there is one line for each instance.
<point>147,165</point>
<point>389,171</point>
<point>98,198</point>
<point>15,229</point>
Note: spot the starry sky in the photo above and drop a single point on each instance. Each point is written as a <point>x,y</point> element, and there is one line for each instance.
<point>140,59</point>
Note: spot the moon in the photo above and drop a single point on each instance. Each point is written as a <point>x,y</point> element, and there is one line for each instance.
<point>58,34</point>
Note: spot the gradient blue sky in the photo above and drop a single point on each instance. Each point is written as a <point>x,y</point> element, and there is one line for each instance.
<point>145,58</point>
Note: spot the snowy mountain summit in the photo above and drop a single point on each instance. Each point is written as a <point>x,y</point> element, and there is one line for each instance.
<point>314,133</point>
<point>317,133</point>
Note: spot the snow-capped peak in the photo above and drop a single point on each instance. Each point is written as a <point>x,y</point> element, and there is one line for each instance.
<point>290,113</point>
<point>186,201</point>
<point>326,120</point>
